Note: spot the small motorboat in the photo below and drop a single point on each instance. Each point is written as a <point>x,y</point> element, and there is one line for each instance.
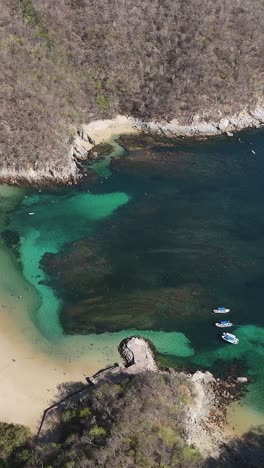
<point>223,324</point>
<point>232,339</point>
<point>221,310</point>
<point>31,213</point>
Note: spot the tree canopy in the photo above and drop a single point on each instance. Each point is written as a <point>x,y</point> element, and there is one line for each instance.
<point>72,61</point>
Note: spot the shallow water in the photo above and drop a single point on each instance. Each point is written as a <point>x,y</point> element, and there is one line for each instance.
<point>170,238</point>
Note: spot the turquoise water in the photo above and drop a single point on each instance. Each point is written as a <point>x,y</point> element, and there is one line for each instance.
<point>57,220</point>
<point>152,249</point>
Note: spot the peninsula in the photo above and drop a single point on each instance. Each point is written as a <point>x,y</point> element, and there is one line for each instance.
<point>134,414</point>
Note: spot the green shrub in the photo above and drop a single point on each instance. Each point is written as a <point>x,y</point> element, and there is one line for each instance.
<point>12,436</point>
<point>84,412</point>
<point>25,457</point>
<point>97,432</point>
<point>45,35</point>
<point>68,415</point>
<point>168,436</point>
<point>103,101</point>
<point>99,85</point>
<point>191,455</point>
<point>29,12</point>
<point>70,464</point>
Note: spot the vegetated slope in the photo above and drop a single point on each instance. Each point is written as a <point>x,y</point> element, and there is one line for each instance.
<point>72,61</point>
<point>138,423</point>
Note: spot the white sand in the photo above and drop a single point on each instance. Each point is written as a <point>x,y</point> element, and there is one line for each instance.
<point>31,369</point>
<point>29,376</point>
<point>29,383</point>
<point>105,131</point>
<point>101,131</point>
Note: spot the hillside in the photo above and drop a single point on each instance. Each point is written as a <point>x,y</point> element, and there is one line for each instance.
<point>138,423</point>
<point>69,62</point>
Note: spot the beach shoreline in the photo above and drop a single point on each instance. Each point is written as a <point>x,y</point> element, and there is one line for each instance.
<point>97,132</point>
<point>29,379</point>
<point>33,370</point>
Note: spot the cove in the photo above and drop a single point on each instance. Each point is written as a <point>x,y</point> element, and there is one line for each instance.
<point>174,231</point>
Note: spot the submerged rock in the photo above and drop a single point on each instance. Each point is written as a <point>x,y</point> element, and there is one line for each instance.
<point>242,379</point>
<point>99,295</point>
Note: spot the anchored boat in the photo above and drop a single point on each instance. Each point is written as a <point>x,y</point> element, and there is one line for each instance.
<point>221,310</point>
<point>232,339</point>
<point>224,324</point>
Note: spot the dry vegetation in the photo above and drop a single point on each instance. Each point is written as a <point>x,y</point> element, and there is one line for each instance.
<point>138,423</point>
<point>72,61</point>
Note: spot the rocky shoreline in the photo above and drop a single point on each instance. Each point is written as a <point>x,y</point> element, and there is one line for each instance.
<point>88,137</point>
<point>210,397</point>
<point>102,131</point>
<point>199,127</point>
<point>206,416</point>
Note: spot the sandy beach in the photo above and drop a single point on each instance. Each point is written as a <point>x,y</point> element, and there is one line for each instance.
<point>104,131</point>
<point>29,379</point>
<point>30,367</point>
<point>101,131</point>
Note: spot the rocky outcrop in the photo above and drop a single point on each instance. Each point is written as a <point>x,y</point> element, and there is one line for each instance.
<point>207,413</point>
<point>101,131</point>
<point>50,174</point>
<point>81,148</point>
<point>126,353</point>
<point>137,355</point>
<point>199,127</point>
<point>242,380</point>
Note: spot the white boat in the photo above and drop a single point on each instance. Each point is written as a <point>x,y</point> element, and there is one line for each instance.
<point>232,339</point>
<point>221,310</point>
<point>223,324</point>
<point>31,213</point>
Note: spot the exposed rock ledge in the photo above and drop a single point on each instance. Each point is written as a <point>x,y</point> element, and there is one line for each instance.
<point>101,131</point>
<point>198,127</point>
